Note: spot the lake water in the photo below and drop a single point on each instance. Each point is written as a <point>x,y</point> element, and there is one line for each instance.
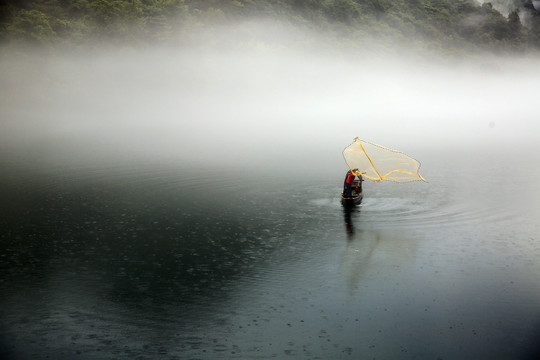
<point>137,260</point>
<point>184,204</point>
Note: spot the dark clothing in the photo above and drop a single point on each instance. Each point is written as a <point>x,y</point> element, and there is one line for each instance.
<point>359,188</point>
<point>348,190</point>
<point>349,178</point>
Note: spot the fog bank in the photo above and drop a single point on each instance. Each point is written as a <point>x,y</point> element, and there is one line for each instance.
<point>238,105</point>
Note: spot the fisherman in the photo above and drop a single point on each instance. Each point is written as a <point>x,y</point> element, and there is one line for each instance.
<point>349,178</point>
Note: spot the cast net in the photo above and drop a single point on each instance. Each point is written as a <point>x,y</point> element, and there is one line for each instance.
<point>380,163</point>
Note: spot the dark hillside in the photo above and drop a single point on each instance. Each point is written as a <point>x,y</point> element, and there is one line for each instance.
<point>505,25</point>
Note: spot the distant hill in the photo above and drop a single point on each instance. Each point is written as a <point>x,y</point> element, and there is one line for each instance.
<point>502,25</point>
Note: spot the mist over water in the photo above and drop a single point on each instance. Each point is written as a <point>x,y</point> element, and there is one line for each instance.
<point>195,103</point>
<point>184,203</point>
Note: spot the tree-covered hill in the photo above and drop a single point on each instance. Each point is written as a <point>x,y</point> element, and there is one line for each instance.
<point>504,25</point>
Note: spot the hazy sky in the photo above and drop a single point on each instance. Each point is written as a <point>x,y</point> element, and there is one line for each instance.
<point>202,104</point>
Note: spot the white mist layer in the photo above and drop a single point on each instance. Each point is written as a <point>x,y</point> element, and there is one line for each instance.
<point>239,105</point>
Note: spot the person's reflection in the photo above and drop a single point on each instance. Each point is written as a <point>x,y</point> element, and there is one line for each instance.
<point>348,211</point>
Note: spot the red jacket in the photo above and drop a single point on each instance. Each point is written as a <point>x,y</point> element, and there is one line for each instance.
<point>350,178</point>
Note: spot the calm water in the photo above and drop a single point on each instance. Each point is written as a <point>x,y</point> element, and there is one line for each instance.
<point>148,260</point>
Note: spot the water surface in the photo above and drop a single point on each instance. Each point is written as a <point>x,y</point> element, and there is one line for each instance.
<point>149,260</point>
<point>184,204</point>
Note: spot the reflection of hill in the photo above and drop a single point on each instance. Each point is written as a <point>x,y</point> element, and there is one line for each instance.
<point>97,262</point>
<point>165,239</point>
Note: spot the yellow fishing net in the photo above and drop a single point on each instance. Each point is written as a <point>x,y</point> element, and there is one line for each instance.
<point>380,163</point>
